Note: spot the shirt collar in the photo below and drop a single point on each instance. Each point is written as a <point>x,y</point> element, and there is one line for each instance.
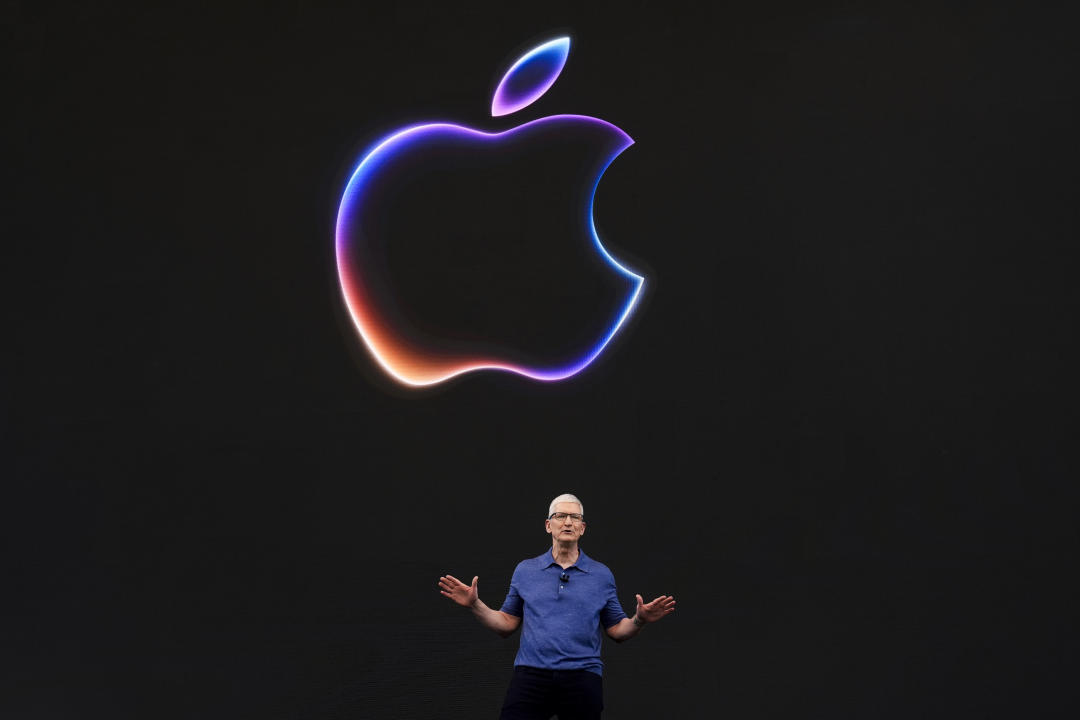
<point>546,560</point>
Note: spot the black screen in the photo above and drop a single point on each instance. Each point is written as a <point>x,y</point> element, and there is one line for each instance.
<point>838,428</point>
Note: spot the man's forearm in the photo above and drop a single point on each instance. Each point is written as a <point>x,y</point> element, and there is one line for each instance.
<point>626,629</point>
<point>496,620</point>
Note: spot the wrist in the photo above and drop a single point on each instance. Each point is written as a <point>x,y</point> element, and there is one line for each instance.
<point>638,621</point>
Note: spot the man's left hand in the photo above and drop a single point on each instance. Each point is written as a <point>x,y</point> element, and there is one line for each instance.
<point>658,608</point>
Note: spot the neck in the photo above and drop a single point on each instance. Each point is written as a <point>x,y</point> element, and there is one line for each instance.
<point>565,553</point>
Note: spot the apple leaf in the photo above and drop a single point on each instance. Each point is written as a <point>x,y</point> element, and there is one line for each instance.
<point>530,76</point>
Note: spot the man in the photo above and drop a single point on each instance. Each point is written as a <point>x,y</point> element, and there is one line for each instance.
<point>561,599</point>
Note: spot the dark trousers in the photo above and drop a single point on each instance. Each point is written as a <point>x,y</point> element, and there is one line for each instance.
<point>537,694</point>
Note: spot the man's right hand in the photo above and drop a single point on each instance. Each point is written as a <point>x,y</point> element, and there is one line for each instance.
<point>459,592</point>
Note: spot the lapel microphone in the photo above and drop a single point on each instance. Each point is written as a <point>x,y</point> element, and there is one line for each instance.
<point>565,577</point>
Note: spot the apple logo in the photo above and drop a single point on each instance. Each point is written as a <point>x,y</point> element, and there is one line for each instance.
<point>415,283</point>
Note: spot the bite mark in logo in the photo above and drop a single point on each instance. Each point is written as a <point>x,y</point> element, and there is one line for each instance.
<point>391,345</point>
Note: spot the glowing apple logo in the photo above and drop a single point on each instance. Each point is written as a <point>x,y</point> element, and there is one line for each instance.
<point>372,223</point>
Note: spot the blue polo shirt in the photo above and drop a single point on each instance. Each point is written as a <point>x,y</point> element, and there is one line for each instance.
<point>562,622</point>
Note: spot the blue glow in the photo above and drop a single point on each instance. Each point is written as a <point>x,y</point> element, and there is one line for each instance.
<point>519,87</point>
<point>407,364</point>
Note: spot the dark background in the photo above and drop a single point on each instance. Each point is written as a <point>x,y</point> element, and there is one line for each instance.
<point>840,430</point>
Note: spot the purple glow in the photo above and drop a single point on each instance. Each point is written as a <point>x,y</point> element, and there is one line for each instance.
<point>530,76</point>
<point>415,366</point>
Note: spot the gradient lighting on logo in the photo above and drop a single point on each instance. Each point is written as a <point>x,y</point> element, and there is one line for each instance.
<point>530,77</point>
<point>392,349</point>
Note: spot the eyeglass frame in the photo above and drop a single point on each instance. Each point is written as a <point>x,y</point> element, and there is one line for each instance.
<point>575,517</point>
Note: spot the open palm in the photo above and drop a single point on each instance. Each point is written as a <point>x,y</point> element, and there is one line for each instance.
<point>658,608</point>
<point>459,592</point>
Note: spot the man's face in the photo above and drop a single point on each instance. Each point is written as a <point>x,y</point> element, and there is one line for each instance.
<point>566,529</point>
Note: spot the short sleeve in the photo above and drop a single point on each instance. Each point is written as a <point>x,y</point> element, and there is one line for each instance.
<point>514,604</point>
<point>613,611</point>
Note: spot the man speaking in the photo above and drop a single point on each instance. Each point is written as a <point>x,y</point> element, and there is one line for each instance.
<point>563,600</point>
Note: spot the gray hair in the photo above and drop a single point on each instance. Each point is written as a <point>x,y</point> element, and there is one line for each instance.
<point>565,497</point>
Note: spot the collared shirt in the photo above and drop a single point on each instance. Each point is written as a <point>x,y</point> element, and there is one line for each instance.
<point>562,622</point>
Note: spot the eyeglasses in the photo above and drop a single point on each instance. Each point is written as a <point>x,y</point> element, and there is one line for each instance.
<point>559,517</point>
